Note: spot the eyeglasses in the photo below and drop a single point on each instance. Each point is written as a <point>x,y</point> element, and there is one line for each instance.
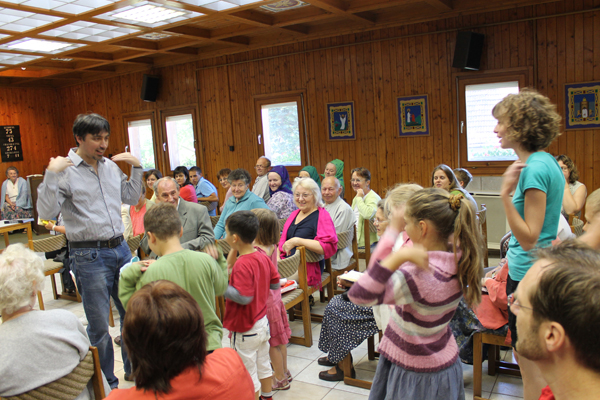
<point>260,166</point>
<point>302,195</point>
<point>377,222</point>
<point>514,304</point>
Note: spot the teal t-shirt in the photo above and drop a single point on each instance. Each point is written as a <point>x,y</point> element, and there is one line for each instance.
<point>542,173</point>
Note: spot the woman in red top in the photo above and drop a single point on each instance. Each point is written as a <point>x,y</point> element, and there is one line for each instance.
<point>186,189</point>
<point>173,363</point>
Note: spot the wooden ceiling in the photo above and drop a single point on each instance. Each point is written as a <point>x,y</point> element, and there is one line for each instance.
<point>207,34</point>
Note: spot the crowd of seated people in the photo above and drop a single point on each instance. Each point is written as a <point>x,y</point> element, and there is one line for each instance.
<point>424,287</point>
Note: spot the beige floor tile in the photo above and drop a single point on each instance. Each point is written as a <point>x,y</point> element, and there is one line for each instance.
<point>497,396</point>
<point>311,353</point>
<point>342,395</point>
<point>310,374</point>
<point>302,391</point>
<point>487,382</point>
<point>509,385</point>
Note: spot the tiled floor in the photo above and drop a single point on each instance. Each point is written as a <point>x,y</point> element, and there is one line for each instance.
<point>303,365</point>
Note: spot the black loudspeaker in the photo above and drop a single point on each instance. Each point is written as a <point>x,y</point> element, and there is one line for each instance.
<point>467,53</point>
<point>150,87</point>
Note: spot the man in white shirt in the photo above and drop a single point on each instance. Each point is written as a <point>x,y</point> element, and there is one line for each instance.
<point>261,184</point>
<point>342,216</point>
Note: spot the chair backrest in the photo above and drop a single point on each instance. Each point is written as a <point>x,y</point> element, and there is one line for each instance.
<point>577,226</point>
<point>345,239</point>
<point>134,242</point>
<point>223,245</point>
<point>504,244</point>
<point>214,220</point>
<point>312,256</point>
<point>71,385</point>
<point>281,224</point>
<point>288,266</point>
<point>482,217</point>
<point>49,244</point>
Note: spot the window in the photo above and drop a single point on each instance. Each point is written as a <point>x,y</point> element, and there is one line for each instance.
<point>180,140</point>
<point>479,147</point>
<point>141,141</point>
<point>281,133</point>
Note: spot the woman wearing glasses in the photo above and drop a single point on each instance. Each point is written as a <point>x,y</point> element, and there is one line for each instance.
<point>364,204</point>
<point>309,226</point>
<point>528,123</point>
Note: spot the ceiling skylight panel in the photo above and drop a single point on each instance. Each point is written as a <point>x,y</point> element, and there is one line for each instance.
<point>14,59</point>
<point>40,46</point>
<point>92,32</point>
<point>149,14</point>
<point>220,5</point>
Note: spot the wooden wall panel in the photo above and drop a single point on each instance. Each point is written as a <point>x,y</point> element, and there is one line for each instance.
<point>372,69</point>
<point>36,113</point>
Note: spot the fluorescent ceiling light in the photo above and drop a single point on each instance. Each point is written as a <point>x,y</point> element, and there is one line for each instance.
<point>149,14</point>
<point>46,46</point>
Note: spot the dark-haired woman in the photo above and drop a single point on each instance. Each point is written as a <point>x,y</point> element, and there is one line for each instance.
<point>443,177</point>
<point>575,191</point>
<point>186,189</point>
<point>150,177</point>
<point>173,363</point>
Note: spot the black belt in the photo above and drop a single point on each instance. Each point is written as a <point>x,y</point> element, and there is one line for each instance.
<point>114,242</point>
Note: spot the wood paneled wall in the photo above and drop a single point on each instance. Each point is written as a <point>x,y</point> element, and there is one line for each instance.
<point>36,113</point>
<point>372,69</point>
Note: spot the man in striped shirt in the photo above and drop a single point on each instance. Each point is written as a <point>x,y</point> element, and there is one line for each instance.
<point>88,189</point>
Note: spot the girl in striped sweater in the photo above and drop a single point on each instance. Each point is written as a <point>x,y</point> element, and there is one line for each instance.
<point>419,356</point>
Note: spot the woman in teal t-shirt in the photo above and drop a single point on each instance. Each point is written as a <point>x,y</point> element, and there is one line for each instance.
<point>528,123</point>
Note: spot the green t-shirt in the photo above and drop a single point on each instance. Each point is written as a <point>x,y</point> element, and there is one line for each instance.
<point>196,272</point>
<point>542,173</point>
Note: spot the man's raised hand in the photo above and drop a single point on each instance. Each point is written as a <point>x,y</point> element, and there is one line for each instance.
<point>128,158</point>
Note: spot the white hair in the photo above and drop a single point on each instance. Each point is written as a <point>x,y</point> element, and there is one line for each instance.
<point>164,179</point>
<point>21,277</point>
<point>309,184</point>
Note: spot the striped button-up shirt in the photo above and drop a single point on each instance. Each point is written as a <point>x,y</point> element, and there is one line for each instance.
<point>90,203</point>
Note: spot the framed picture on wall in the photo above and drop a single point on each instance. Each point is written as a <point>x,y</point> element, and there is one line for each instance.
<point>582,105</point>
<point>413,116</point>
<point>340,118</point>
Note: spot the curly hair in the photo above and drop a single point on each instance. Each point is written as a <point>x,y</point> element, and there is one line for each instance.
<point>573,173</point>
<point>530,119</point>
<point>21,277</point>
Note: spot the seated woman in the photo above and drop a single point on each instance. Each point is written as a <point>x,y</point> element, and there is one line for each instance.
<point>336,168</point>
<point>309,226</point>
<point>280,188</point>
<point>133,216</point>
<point>186,189</point>
<point>36,347</point>
<point>16,199</point>
<point>310,172</point>
<point>150,177</point>
<point>173,363</point>
<point>222,178</point>
<point>347,325</point>
<point>443,177</point>
<point>364,204</point>
<point>575,191</point>
<point>242,199</point>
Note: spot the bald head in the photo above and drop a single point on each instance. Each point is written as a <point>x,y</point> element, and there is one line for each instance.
<point>330,189</point>
<point>167,190</point>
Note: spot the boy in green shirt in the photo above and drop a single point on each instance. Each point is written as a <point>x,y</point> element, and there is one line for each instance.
<point>196,272</point>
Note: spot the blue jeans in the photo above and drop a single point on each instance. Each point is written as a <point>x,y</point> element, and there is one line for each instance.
<point>97,273</point>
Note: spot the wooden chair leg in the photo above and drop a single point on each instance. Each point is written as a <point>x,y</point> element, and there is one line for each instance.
<point>40,300</point>
<point>54,292</point>
<point>492,366</point>
<point>371,347</point>
<point>307,323</point>
<point>111,320</point>
<point>477,367</point>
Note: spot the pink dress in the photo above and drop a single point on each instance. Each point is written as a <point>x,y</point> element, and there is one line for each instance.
<point>278,322</point>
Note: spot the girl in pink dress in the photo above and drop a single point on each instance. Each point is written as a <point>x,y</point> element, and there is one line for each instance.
<point>266,242</point>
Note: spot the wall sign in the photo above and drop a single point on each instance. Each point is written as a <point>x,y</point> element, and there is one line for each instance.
<point>582,105</point>
<point>10,143</point>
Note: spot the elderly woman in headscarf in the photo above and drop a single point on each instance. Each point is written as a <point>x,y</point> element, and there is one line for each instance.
<point>16,199</point>
<point>280,189</point>
<point>336,168</point>
<point>310,172</point>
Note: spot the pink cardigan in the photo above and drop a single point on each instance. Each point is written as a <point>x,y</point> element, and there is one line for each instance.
<point>326,236</point>
<point>492,312</point>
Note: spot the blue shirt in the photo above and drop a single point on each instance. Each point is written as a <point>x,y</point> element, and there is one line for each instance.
<point>204,189</point>
<point>248,202</point>
<point>542,173</point>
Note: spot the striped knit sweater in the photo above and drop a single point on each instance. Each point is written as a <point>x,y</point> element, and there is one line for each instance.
<point>418,337</point>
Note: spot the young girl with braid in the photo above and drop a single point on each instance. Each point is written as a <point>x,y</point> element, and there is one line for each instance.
<point>419,356</point>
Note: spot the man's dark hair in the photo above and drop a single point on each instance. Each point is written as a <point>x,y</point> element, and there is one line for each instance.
<point>164,334</point>
<point>569,293</point>
<point>182,170</point>
<point>91,123</point>
<point>197,169</point>
<point>240,174</point>
<point>244,224</point>
<point>163,221</point>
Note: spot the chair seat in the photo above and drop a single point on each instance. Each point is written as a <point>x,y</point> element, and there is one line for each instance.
<point>324,276</point>
<point>51,265</point>
<point>291,296</point>
<point>361,251</point>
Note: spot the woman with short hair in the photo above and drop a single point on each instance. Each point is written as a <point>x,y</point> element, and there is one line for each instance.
<point>443,177</point>
<point>222,178</point>
<point>173,363</point>
<point>186,189</point>
<point>575,191</point>
<point>16,199</point>
<point>364,204</point>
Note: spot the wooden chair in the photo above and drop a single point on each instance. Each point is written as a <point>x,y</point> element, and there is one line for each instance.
<point>494,365</point>
<point>214,220</point>
<point>71,385</point>
<point>223,246</point>
<point>345,239</point>
<point>51,267</point>
<point>220,307</point>
<point>347,364</point>
<point>365,253</point>
<point>326,281</point>
<point>482,217</point>
<point>576,226</point>
<point>288,267</point>
<point>281,224</point>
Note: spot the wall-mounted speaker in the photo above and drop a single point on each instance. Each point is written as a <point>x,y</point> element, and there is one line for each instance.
<point>150,86</point>
<point>467,53</point>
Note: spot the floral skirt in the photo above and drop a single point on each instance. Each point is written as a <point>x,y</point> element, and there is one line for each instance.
<point>345,327</point>
<point>15,212</point>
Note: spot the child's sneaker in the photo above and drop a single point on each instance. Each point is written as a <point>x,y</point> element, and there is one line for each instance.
<point>288,375</point>
<point>283,384</point>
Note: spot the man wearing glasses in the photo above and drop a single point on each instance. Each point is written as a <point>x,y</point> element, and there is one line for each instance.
<point>261,184</point>
<point>557,305</point>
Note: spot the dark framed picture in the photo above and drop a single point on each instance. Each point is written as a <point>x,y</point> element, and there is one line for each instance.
<point>581,105</point>
<point>341,121</point>
<point>413,116</point>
